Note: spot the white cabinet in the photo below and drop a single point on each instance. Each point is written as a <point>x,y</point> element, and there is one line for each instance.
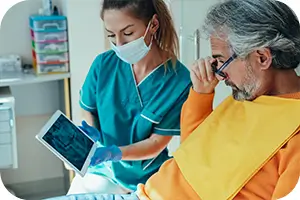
<point>8,142</point>
<point>6,156</point>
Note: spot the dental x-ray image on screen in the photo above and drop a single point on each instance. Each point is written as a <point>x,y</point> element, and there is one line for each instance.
<point>68,141</point>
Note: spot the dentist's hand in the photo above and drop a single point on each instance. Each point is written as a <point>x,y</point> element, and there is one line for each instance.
<point>90,131</point>
<point>102,154</point>
<point>203,78</point>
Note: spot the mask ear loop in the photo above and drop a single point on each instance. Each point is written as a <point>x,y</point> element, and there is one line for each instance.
<point>148,27</point>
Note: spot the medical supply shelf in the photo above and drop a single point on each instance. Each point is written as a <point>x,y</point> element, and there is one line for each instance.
<point>49,37</point>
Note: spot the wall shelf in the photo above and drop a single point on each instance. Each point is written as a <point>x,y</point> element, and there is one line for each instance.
<point>6,80</point>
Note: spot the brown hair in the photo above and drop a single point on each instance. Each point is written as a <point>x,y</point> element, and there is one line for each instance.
<point>166,35</point>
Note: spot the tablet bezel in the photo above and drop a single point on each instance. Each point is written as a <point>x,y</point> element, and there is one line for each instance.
<point>46,128</point>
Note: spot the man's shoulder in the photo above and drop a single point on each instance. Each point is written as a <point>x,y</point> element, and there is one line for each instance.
<point>291,149</point>
<point>294,142</point>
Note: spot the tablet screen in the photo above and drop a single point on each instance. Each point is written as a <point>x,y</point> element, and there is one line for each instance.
<point>69,141</point>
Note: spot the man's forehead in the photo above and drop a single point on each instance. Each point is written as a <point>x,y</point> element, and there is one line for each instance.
<point>218,43</point>
<point>219,46</point>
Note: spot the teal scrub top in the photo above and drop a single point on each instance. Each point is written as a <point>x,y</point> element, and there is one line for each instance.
<point>129,113</point>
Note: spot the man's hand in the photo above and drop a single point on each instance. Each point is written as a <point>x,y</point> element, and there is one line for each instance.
<point>203,78</point>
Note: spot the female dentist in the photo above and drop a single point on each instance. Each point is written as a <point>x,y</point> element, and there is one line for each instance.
<point>132,97</point>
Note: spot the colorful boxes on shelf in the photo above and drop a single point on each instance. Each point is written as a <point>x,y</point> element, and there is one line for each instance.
<point>50,51</point>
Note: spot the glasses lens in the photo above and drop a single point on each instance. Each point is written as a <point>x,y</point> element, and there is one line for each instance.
<point>222,74</point>
<point>214,66</point>
<point>216,71</point>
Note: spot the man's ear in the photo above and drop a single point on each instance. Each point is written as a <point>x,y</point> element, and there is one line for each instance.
<point>264,58</point>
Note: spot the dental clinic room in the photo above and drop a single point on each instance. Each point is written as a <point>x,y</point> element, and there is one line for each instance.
<point>150,100</point>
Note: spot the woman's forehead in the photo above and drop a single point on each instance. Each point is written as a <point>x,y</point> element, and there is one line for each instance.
<point>116,20</point>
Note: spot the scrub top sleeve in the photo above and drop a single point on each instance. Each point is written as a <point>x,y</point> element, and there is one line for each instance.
<point>89,87</point>
<point>170,124</point>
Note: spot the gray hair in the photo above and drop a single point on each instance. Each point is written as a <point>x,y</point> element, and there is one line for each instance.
<point>249,25</point>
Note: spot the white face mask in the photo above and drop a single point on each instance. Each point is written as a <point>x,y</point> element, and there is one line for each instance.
<point>133,51</point>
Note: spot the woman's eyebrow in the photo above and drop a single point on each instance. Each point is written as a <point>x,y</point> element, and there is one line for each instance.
<point>123,29</point>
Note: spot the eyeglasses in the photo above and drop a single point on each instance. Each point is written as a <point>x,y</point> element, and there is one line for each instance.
<point>220,70</point>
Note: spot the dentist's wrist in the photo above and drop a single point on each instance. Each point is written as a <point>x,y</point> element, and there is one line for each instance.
<point>116,153</point>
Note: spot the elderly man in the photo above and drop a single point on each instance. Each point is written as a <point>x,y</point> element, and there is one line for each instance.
<point>249,146</point>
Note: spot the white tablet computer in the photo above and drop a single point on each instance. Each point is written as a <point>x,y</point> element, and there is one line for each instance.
<point>68,142</point>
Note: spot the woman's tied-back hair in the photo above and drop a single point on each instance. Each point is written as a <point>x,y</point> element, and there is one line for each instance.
<point>166,35</point>
<point>249,25</point>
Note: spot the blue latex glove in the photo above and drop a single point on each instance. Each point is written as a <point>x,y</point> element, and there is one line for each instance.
<point>102,154</point>
<point>90,131</point>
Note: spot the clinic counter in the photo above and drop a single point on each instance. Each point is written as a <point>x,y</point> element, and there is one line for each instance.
<point>21,79</point>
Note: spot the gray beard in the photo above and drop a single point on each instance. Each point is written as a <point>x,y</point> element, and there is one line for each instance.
<point>238,94</point>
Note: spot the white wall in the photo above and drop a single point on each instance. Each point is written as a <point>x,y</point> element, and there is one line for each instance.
<point>294,5</point>
<point>34,103</point>
<point>188,17</point>
<point>86,38</point>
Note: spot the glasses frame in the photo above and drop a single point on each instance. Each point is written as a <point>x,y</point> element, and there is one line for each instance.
<point>219,71</point>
